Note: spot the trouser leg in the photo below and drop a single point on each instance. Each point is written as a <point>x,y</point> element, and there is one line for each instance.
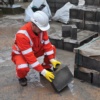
<point>21,66</point>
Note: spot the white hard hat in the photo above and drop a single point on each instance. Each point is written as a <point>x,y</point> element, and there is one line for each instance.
<point>41,20</point>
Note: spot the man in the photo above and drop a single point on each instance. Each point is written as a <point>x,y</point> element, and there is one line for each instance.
<point>32,41</point>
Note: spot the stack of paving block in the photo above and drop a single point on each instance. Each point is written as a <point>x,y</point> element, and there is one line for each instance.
<point>71,37</point>
<point>86,17</point>
<point>87,62</point>
<point>57,4</point>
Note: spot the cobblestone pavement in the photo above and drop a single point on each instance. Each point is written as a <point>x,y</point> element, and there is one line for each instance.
<point>38,87</point>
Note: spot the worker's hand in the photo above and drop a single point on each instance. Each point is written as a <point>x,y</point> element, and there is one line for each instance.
<point>47,74</point>
<point>54,62</point>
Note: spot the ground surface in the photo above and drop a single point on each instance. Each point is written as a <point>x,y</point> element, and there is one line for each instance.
<point>38,87</point>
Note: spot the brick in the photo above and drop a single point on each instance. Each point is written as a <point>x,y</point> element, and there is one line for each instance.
<point>63,77</point>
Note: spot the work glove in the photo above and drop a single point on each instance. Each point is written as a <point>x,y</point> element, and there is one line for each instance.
<point>54,62</point>
<point>47,74</point>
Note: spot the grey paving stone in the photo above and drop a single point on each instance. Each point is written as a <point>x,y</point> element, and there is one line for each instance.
<point>96,79</point>
<point>82,76</point>
<point>77,22</point>
<point>92,26</point>
<point>1,13</point>
<point>63,77</point>
<point>92,2</point>
<point>76,13</point>
<point>74,32</point>
<point>66,30</point>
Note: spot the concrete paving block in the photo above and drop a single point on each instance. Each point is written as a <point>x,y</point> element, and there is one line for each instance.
<point>77,22</point>
<point>82,76</point>
<point>92,26</point>
<point>75,2</point>
<point>74,32</point>
<point>63,77</point>
<point>76,13</point>
<point>15,9</point>
<point>90,15</point>
<point>78,59</point>
<point>66,30</point>
<point>99,27</point>
<point>1,13</point>
<point>96,79</point>
<point>91,63</point>
<point>92,2</point>
<point>98,15</point>
<point>58,43</point>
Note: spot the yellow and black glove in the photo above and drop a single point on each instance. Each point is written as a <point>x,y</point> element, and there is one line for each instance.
<point>54,62</point>
<point>47,74</point>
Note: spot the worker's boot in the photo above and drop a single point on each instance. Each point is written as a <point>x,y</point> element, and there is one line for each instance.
<point>23,81</point>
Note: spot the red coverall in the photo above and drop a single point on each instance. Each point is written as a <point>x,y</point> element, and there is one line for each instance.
<point>28,47</point>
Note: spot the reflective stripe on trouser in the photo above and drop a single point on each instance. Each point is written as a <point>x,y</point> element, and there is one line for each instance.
<point>21,66</point>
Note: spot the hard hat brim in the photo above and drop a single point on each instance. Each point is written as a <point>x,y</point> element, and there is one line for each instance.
<point>41,28</point>
<point>44,28</point>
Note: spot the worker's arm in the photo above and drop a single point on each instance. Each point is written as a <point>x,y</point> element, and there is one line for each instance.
<point>49,50</point>
<point>23,44</point>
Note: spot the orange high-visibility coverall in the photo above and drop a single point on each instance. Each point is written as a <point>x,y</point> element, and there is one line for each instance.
<point>28,47</point>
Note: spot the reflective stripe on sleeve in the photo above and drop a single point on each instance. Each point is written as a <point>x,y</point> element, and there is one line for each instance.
<point>25,32</point>
<point>46,42</point>
<point>49,53</point>
<point>35,64</point>
<point>16,52</point>
<point>47,64</point>
<point>22,66</point>
<point>27,51</point>
<point>17,47</point>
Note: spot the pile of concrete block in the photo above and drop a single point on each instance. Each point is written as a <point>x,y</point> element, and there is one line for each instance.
<point>71,37</point>
<point>86,17</point>
<point>87,62</point>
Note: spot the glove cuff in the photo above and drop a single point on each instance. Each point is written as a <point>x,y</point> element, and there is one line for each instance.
<point>52,60</point>
<point>43,72</point>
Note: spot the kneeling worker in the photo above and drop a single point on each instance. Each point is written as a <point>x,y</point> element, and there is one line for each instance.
<point>31,41</point>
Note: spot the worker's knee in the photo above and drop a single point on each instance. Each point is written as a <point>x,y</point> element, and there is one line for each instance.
<point>23,70</point>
